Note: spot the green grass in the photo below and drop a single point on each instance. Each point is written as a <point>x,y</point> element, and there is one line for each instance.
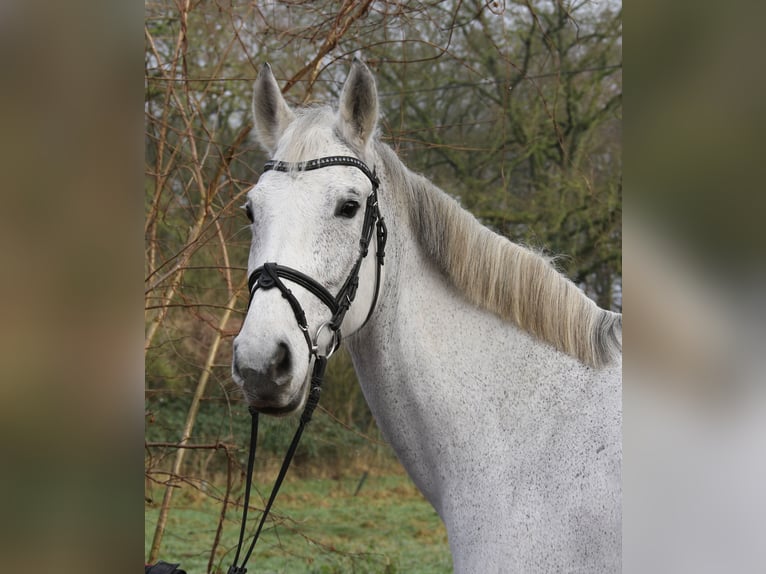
<point>317,526</point>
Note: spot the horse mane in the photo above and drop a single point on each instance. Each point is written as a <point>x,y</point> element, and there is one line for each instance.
<point>512,281</point>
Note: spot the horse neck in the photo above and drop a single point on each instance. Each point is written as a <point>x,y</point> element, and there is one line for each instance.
<point>429,363</point>
<point>402,375</point>
<point>386,373</point>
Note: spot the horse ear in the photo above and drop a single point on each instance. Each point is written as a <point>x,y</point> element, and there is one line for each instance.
<point>359,105</point>
<point>271,114</point>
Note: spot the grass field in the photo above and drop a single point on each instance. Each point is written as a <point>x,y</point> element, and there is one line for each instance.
<point>318,526</point>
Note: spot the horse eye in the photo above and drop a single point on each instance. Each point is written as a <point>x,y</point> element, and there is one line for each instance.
<point>348,209</point>
<point>248,211</point>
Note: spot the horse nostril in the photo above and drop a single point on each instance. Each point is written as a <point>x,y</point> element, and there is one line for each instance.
<point>281,364</point>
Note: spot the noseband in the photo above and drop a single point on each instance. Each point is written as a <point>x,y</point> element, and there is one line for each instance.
<point>271,275</point>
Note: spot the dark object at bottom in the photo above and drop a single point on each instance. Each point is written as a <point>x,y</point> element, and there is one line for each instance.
<point>163,568</point>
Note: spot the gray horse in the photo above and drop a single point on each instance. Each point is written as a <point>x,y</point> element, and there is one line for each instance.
<point>496,380</point>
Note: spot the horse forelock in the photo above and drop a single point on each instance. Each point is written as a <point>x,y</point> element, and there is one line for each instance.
<point>514,282</point>
<point>310,135</point>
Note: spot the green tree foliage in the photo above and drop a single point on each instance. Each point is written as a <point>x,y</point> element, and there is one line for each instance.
<point>520,119</point>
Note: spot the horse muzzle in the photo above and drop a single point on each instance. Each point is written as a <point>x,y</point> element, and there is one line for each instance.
<point>273,381</point>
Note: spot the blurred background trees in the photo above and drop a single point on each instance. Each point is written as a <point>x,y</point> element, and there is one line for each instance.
<point>512,107</point>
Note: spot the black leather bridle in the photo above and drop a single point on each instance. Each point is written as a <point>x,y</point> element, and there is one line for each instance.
<point>271,275</point>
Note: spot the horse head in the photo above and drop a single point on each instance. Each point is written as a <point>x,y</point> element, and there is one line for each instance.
<point>310,276</point>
